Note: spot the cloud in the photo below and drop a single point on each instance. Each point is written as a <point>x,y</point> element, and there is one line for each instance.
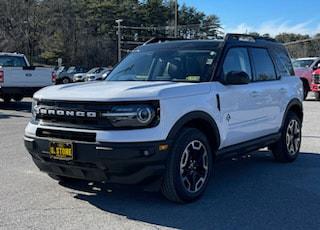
<point>276,27</point>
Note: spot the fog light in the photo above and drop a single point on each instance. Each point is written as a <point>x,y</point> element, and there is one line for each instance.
<point>163,147</point>
<point>146,153</point>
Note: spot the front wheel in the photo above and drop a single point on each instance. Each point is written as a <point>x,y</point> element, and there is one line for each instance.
<point>306,90</point>
<point>6,99</point>
<point>288,147</point>
<point>188,168</point>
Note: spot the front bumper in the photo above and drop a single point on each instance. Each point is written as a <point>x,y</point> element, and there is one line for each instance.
<point>315,87</point>
<point>119,163</point>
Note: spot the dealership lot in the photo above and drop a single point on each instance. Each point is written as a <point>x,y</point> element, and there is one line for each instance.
<point>251,192</point>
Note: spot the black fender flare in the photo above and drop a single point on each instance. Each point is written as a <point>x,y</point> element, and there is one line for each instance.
<point>291,104</point>
<point>192,116</point>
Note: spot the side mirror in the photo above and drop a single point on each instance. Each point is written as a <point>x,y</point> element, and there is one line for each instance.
<point>237,78</point>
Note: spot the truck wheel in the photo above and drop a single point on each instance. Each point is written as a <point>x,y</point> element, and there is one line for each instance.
<point>188,168</point>
<point>65,80</point>
<point>18,98</point>
<point>288,147</point>
<point>6,99</point>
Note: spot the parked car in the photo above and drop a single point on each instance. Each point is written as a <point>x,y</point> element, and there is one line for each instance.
<point>315,84</point>
<point>167,112</point>
<point>66,77</point>
<point>18,79</point>
<point>98,74</point>
<point>304,68</point>
<point>79,77</point>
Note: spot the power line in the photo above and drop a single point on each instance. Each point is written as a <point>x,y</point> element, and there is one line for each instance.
<point>302,41</point>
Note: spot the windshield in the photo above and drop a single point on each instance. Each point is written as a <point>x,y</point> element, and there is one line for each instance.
<point>302,63</point>
<point>12,61</point>
<point>71,70</point>
<point>189,65</point>
<point>92,70</point>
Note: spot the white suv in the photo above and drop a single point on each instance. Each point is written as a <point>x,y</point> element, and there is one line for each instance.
<point>167,112</point>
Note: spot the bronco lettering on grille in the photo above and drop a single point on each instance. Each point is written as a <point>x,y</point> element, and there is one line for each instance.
<point>65,113</point>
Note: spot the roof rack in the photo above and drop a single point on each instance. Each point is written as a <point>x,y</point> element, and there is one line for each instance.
<point>247,37</point>
<point>162,39</point>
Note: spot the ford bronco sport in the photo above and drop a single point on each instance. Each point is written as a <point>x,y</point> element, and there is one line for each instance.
<point>167,112</point>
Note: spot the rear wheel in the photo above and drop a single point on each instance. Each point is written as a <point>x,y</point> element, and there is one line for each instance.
<point>288,147</point>
<point>188,168</point>
<point>18,98</point>
<point>65,80</point>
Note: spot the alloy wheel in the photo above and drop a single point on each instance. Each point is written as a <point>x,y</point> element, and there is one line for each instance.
<point>194,166</point>
<point>293,137</point>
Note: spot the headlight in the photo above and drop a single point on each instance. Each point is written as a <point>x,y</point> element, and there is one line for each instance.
<point>130,116</point>
<point>34,108</point>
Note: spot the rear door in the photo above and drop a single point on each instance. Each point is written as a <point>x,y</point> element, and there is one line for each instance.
<point>270,91</point>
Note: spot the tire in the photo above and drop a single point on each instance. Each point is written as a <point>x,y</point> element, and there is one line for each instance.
<point>17,98</point>
<point>306,90</point>
<point>65,80</point>
<point>288,147</point>
<point>6,99</point>
<point>187,175</point>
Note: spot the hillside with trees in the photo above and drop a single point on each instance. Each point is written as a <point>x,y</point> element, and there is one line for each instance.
<point>83,32</point>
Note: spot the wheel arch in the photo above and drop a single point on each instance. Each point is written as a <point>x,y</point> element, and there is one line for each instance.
<point>294,106</point>
<point>202,121</point>
<point>305,83</point>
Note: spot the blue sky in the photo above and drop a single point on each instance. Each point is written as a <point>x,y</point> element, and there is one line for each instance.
<point>271,16</point>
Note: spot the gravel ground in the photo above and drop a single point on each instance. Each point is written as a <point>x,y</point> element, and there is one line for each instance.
<point>251,192</point>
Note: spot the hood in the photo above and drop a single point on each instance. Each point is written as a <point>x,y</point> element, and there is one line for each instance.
<point>121,91</point>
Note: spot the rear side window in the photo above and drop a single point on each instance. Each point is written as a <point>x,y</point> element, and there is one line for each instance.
<point>263,65</point>
<point>237,59</point>
<point>283,62</point>
<point>12,61</point>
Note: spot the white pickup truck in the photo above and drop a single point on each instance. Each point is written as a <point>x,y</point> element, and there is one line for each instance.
<point>18,79</point>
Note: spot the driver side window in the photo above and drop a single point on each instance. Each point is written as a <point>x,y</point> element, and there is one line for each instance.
<point>237,59</point>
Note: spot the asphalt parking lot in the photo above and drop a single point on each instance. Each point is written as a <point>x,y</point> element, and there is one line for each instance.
<point>251,192</point>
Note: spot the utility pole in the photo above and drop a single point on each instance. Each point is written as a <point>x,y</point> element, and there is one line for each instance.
<point>119,38</point>
<point>175,18</point>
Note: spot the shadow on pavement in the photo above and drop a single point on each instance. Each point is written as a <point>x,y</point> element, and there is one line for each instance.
<point>246,193</point>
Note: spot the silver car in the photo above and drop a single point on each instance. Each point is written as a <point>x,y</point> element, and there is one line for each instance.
<point>98,74</point>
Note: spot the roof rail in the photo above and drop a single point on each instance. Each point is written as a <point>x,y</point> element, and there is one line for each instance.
<point>162,39</point>
<point>247,37</point>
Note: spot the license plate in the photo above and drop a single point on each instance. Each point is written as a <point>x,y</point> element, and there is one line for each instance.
<point>61,150</point>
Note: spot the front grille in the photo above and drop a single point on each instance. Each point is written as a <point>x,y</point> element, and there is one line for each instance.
<point>316,79</point>
<point>96,122</point>
<point>67,135</point>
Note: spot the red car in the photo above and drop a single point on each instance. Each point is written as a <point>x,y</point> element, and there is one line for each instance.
<point>304,68</point>
<point>315,84</point>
